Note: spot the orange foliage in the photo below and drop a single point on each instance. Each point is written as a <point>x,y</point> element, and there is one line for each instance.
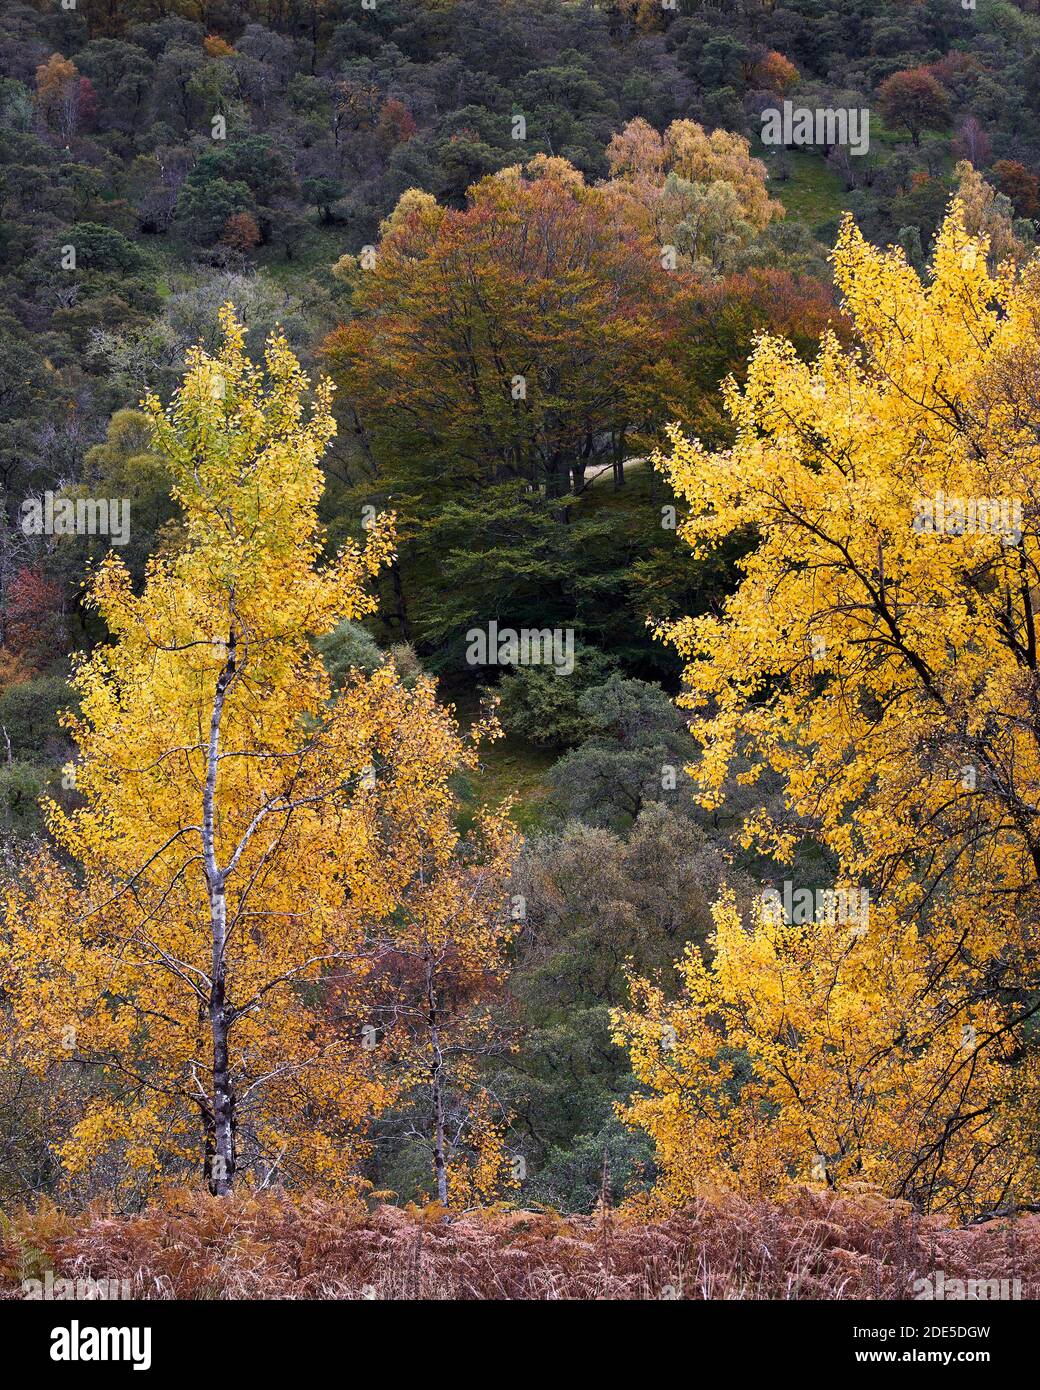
<point>814,1247</point>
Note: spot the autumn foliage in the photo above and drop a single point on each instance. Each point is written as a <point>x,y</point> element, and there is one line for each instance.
<point>879,658</point>
<point>814,1246</point>
<point>499,341</point>
<point>249,839</point>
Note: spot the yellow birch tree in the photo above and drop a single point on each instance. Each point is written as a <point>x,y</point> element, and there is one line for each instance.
<point>879,656</point>
<point>200,939</point>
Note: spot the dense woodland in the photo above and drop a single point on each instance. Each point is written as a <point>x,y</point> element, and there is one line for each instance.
<point>499,929</point>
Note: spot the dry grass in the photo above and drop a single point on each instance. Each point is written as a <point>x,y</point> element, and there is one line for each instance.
<point>192,1246</point>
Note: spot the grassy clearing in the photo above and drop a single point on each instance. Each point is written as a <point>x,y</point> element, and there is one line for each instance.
<point>509,767</point>
<point>513,767</point>
<point>315,257</point>
<point>813,193</point>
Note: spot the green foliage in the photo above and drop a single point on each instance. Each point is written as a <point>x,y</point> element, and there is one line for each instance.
<point>615,1162</point>
<point>633,755</point>
<point>349,647</point>
<point>98,249</point>
<point>20,788</point>
<point>29,714</point>
<point>593,901</point>
<point>543,707</point>
<point>208,200</point>
<point>499,553</point>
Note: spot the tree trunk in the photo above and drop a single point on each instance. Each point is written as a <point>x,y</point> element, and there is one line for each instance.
<point>399,601</point>
<point>619,460</point>
<point>222,1172</point>
<point>437,1083</point>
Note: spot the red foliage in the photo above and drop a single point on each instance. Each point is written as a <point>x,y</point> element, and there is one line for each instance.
<point>1022,187</point>
<point>88,101</point>
<point>241,232</point>
<point>395,126</point>
<point>729,314</point>
<point>794,306</point>
<point>775,73</point>
<point>915,99</point>
<point>35,627</point>
<point>815,1246</point>
<point>536,269</point>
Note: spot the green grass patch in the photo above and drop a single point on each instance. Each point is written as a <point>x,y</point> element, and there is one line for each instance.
<point>508,767</point>
<point>316,255</point>
<point>641,489</point>
<point>513,767</point>
<point>813,193</point>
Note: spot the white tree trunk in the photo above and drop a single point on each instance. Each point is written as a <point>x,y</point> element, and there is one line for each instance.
<point>222,1159</point>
